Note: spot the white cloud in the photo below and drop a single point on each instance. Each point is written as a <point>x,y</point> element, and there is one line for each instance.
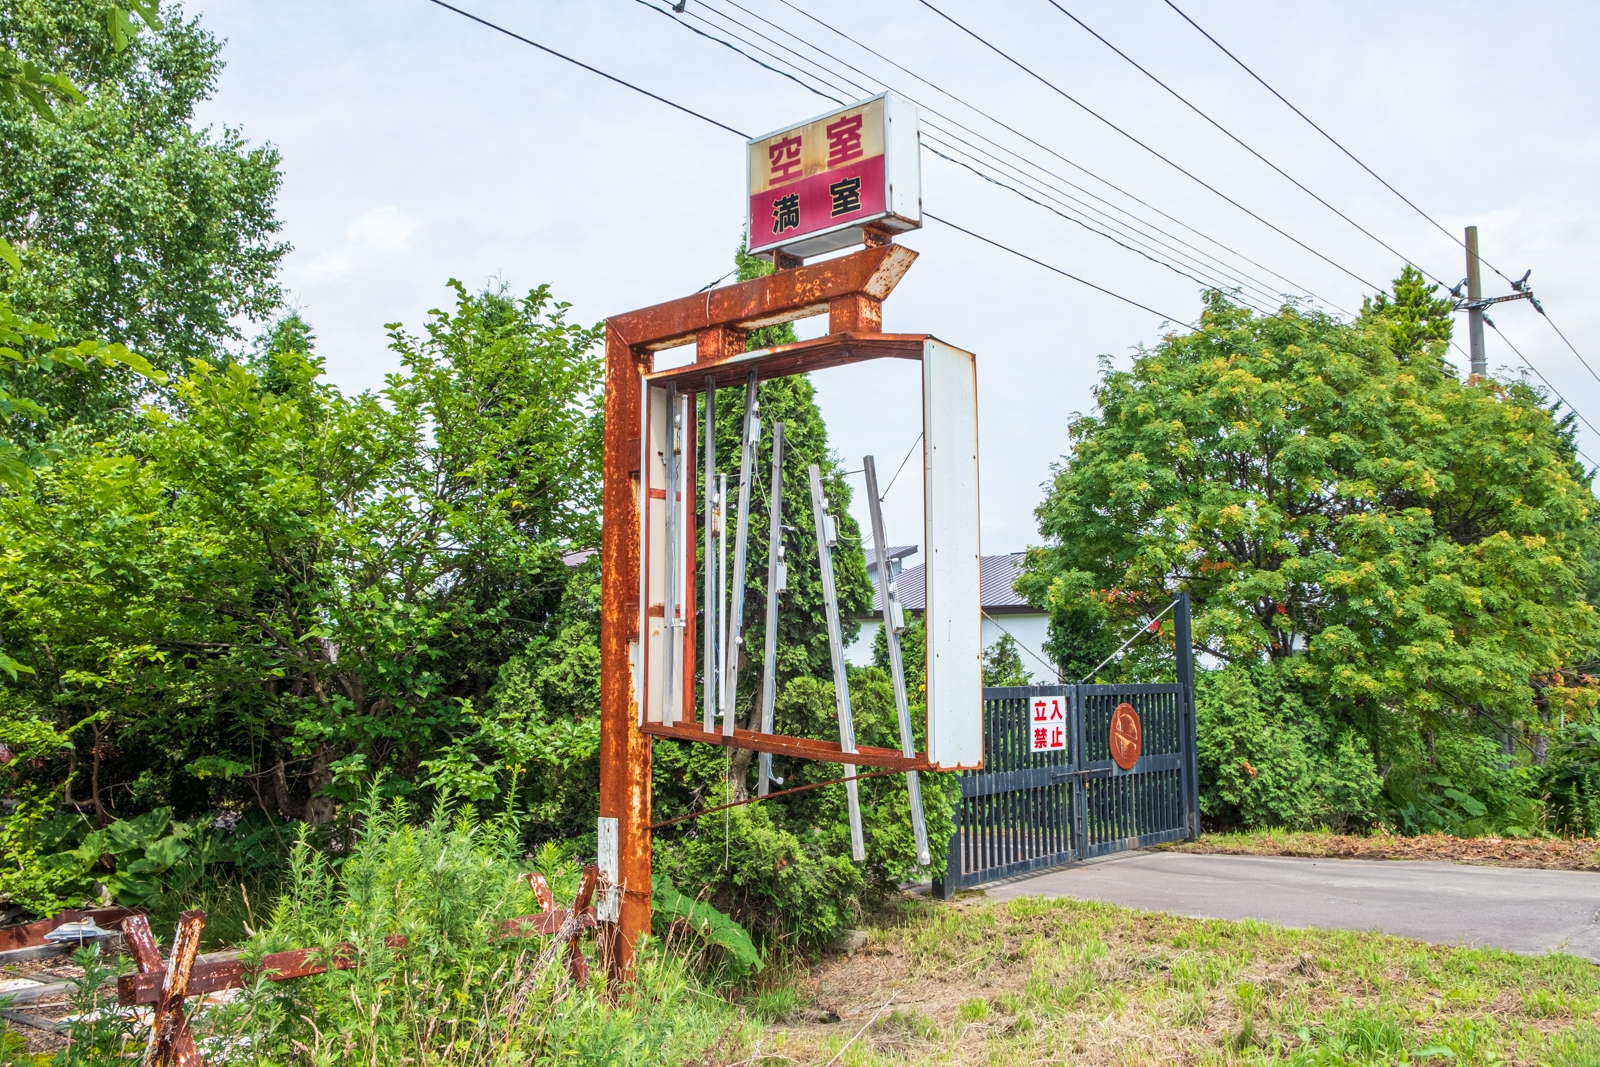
<point>374,236</point>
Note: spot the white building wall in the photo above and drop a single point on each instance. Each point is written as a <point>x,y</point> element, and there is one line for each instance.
<point>1029,632</point>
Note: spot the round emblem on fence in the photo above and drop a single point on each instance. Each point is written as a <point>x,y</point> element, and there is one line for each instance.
<point>1127,736</point>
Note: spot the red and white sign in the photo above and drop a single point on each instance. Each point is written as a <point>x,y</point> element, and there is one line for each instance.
<point>1047,725</point>
<point>813,186</point>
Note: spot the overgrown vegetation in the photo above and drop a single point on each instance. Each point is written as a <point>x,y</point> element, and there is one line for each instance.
<point>457,991</point>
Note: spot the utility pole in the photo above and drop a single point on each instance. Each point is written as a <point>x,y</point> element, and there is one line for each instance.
<point>1480,363</point>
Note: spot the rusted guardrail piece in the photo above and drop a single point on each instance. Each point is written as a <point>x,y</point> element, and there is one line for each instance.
<point>146,986</point>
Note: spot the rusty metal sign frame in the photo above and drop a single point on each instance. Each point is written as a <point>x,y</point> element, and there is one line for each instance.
<point>850,290</point>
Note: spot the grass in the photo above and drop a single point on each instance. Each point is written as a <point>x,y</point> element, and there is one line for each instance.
<point>1557,853</point>
<point>1037,981</point>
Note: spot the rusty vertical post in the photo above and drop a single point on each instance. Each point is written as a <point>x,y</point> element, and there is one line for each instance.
<point>170,1040</point>
<point>855,313</point>
<point>624,748</point>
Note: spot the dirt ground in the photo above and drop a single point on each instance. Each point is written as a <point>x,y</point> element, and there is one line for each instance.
<point>1566,855</point>
<point>55,969</point>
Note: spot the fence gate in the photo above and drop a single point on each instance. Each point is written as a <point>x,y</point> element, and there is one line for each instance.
<point>1035,805</point>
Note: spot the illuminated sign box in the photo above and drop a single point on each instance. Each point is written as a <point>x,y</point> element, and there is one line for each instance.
<point>814,186</point>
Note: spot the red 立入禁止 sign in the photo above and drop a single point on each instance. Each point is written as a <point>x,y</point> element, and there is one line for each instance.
<point>814,186</point>
<point>1047,724</point>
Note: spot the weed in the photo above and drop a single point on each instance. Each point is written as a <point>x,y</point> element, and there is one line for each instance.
<point>456,994</point>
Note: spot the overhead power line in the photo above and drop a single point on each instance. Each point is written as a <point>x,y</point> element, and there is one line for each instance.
<point>1058,270</point>
<point>741,133</point>
<point>995,181</point>
<point>1228,282</point>
<point>1196,265</point>
<point>1529,364</point>
<point>1330,138</point>
<point>726,44</point>
<point>1293,285</point>
<point>1563,337</point>
<point>1041,79</point>
<point>1238,141</point>
<point>587,67</point>
<point>1136,242</point>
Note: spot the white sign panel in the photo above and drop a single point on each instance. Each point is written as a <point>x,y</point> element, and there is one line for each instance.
<point>1047,724</point>
<point>954,581</point>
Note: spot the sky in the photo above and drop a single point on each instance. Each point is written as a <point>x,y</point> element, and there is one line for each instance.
<point>419,146</point>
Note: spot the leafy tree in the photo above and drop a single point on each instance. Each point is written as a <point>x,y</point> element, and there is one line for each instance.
<point>277,590</point>
<point>1338,503</point>
<point>133,225</point>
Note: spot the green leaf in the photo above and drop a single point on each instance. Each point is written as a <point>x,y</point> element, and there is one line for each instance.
<point>7,664</point>
<point>165,852</point>
<point>217,767</point>
<point>9,254</point>
<point>710,923</point>
<point>134,835</point>
<point>1470,804</point>
<point>120,27</point>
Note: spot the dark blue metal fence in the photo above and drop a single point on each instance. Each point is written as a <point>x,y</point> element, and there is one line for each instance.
<point>1026,811</point>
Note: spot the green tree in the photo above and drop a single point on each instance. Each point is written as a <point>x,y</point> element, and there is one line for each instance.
<point>133,224</point>
<point>276,590</point>
<point>1410,547</point>
<point>1002,663</point>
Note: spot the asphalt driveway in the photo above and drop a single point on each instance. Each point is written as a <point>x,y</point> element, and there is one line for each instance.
<point>1520,909</point>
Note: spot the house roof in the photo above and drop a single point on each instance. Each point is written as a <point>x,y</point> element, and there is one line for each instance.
<point>895,552</point>
<point>997,589</point>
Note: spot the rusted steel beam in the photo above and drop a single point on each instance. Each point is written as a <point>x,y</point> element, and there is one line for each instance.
<point>717,322</point>
<point>800,357</point>
<point>541,891</point>
<point>781,297</point>
<point>855,313</point>
<point>718,343</point>
<point>145,987</point>
<point>800,747</point>
<point>624,749</point>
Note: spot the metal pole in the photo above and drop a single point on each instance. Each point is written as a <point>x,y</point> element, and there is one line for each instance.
<point>775,584</point>
<point>841,683</point>
<point>712,607</point>
<point>722,590</point>
<point>735,637</point>
<point>893,613</point>
<point>672,610</point>
<point>1480,363</point>
<point>1183,638</point>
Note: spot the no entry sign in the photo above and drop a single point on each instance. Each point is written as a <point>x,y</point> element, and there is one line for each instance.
<point>814,186</point>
